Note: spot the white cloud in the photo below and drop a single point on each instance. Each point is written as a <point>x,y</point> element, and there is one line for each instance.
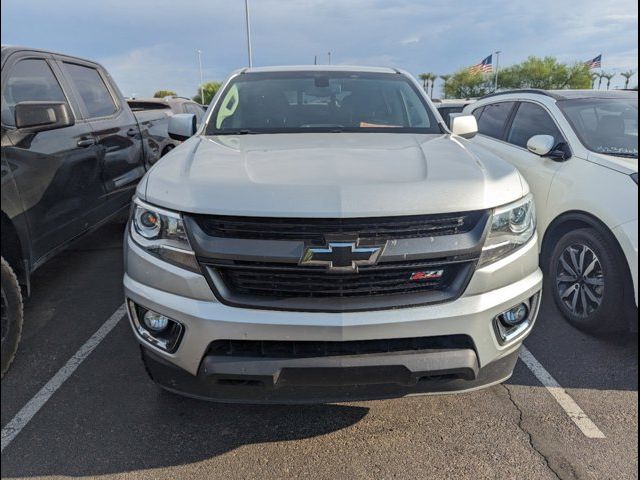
<point>411,40</point>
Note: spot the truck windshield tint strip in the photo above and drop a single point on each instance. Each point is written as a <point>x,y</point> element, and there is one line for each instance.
<point>298,102</point>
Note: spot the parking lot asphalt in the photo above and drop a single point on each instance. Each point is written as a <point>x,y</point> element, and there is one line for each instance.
<point>108,419</point>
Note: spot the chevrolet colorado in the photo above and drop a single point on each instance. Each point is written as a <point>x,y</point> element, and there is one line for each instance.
<point>323,235</point>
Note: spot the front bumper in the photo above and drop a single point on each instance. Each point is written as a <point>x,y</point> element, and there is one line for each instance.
<point>191,370</point>
<point>312,384</point>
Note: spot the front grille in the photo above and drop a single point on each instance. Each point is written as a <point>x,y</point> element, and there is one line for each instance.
<point>317,229</point>
<point>311,349</point>
<point>291,280</point>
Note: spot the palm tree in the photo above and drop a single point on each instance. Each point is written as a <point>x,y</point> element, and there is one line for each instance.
<point>600,77</point>
<point>627,76</point>
<point>425,78</point>
<point>445,79</point>
<point>594,77</point>
<point>434,77</point>
<point>608,76</point>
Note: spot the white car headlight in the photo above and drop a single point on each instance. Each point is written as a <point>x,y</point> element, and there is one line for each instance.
<point>512,226</point>
<point>161,233</point>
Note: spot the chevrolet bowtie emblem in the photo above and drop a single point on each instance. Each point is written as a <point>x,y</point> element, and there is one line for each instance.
<point>341,256</point>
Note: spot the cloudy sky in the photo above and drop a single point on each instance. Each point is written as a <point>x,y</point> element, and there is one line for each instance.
<point>151,44</point>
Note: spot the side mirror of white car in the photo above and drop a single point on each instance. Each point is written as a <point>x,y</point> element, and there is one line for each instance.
<point>464,126</point>
<point>541,144</point>
<point>182,126</point>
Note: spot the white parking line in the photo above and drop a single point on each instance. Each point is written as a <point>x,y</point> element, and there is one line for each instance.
<point>26,413</point>
<point>567,403</point>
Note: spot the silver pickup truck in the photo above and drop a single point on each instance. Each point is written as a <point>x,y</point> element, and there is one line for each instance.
<point>324,236</point>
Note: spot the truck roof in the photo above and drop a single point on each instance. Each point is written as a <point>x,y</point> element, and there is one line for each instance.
<point>319,68</point>
<point>9,49</point>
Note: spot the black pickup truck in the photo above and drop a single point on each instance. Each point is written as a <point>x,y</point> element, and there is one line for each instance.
<point>72,154</point>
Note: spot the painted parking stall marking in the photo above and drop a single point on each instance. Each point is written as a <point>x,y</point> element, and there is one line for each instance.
<point>567,403</point>
<point>26,413</point>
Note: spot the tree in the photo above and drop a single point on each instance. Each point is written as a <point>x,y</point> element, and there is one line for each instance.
<point>434,77</point>
<point>425,78</point>
<point>627,76</point>
<point>594,76</point>
<point>427,81</point>
<point>608,76</point>
<point>445,79</point>
<point>546,73</point>
<point>210,89</point>
<point>467,84</point>
<point>164,93</point>
<point>600,77</point>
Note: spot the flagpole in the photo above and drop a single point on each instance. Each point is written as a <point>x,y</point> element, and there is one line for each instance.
<point>248,22</point>
<point>495,87</point>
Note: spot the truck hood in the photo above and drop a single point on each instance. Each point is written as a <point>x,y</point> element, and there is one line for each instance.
<point>330,175</point>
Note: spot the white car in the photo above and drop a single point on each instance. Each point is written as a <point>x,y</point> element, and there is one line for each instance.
<point>578,150</point>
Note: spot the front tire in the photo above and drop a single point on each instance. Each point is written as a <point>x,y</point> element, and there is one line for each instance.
<point>586,275</point>
<point>12,315</point>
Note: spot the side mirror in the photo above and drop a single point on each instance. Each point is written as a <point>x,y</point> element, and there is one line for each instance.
<point>464,126</point>
<point>541,144</point>
<point>546,146</point>
<point>182,126</point>
<point>41,116</point>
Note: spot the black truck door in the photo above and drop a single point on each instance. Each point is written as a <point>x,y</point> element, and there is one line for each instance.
<point>114,127</point>
<point>56,172</point>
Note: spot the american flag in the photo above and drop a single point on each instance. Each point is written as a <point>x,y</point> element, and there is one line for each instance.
<point>484,66</point>
<point>594,63</point>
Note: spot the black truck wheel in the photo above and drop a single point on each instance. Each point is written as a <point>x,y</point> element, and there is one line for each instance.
<point>12,315</point>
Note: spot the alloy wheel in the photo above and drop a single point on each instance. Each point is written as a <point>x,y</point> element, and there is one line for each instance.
<point>580,280</point>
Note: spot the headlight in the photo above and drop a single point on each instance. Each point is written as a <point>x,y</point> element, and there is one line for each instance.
<point>512,226</point>
<point>161,233</point>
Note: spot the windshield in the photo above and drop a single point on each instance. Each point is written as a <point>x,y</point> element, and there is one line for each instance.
<point>297,102</point>
<point>605,125</point>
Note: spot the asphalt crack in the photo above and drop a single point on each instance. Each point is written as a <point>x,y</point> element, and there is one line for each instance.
<point>528,434</point>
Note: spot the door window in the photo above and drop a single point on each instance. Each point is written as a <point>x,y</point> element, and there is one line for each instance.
<point>92,90</point>
<point>494,118</point>
<point>530,120</point>
<point>477,113</point>
<point>30,80</point>
<point>196,110</point>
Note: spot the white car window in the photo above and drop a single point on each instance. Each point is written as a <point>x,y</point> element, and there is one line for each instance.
<point>531,119</point>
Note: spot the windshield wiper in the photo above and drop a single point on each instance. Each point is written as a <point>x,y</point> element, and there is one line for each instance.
<point>621,154</point>
<point>242,131</point>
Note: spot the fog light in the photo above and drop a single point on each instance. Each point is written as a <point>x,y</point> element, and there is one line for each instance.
<point>159,330</point>
<point>154,321</point>
<point>515,316</point>
<point>513,323</point>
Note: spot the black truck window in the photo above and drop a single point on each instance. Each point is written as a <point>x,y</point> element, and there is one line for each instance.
<point>92,89</point>
<point>30,80</point>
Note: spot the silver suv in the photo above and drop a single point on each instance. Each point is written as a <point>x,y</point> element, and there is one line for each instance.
<point>324,236</point>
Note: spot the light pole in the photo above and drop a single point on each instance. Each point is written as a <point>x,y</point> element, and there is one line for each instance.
<point>495,86</point>
<point>201,78</point>
<point>246,15</point>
